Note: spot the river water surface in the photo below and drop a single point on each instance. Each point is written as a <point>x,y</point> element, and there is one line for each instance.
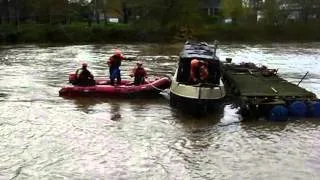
<point>44,136</point>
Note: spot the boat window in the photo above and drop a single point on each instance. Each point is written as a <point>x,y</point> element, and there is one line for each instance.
<point>183,70</point>
<point>214,72</point>
<point>183,74</point>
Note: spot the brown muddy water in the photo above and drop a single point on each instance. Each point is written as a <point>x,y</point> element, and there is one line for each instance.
<point>44,136</point>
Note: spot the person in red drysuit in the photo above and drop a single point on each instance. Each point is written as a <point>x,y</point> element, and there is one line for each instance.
<point>114,64</point>
<point>139,74</point>
<point>198,71</point>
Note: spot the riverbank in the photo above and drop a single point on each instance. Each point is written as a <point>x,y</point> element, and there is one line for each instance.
<point>120,33</point>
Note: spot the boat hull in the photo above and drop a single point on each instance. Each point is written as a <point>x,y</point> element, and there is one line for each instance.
<point>126,89</point>
<point>196,106</point>
<point>196,99</point>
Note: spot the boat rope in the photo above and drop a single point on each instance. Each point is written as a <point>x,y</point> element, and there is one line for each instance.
<point>161,90</point>
<point>158,89</point>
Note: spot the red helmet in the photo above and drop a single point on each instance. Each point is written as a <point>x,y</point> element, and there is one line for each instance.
<point>117,52</point>
<point>194,62</point>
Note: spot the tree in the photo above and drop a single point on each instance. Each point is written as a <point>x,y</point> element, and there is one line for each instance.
<point>255,6</point>
<point>233,9</point>
<point>4,4</point>
<point>308,8</point>
<point>271,11</point>
<point>104,4</point>
<point>81,10</point>
<point>122,8</point>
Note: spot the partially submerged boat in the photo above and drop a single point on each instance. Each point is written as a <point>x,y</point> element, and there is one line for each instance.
<point>125,89</point>
<point>197,97</point>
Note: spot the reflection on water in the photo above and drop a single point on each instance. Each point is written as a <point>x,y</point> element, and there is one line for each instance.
<point>45,136</point>
<point>115,111</point>
<point>85,104</point>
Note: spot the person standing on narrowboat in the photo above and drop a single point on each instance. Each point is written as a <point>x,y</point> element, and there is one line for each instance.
<point>198,71</point>
<point>114,64</point>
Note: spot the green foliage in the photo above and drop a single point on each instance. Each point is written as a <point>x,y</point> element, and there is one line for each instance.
<point>178,17</point>
<point>211,19</point>
<point>260,32</point>
<point>72,21</point>
<point>31,33</point>
<point>271,11</point>
<point>81,33</point>
<point>8,33</point>
<point>233,9</point>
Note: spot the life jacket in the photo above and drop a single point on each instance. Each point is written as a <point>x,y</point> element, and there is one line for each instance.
<point>140,72</point>
<point>116,61</point>
<point>78,73</point>
<point>83,74</point>
<point>203,72</point>
<point>194,69</point>
<point>198,70</point>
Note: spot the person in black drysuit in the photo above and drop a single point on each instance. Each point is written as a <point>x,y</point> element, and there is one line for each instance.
<point>84,76</point>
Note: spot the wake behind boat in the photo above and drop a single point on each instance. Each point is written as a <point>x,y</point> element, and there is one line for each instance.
<point>125,89</point>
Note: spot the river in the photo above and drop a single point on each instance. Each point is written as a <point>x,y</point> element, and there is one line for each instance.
<point>44,136</point>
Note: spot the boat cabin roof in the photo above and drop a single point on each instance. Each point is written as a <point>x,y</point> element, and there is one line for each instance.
<point>198,50</point>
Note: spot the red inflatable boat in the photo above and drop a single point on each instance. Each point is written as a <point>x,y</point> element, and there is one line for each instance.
<point>126,88</point>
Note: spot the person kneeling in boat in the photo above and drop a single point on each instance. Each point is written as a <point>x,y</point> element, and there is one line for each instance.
<point>84,76</point>
<point>198,71</point>
<point>114,64</point>
<point>139,74</point>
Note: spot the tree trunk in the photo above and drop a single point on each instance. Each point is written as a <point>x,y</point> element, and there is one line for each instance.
<point>6,11</point>
<point>17,18</point>
<point>67,17</point>
<point>234,20</point>
<point>305,15</point>
<point>89,22</point>
<point>96,13</point>
<point>105,18</point>
<point>97,18</point>
<point>1,12</point>
<point>90,19</point>
<point>104,10</point>
<point>125,12</point>
<point>17,14</point>
<point>50,17</point>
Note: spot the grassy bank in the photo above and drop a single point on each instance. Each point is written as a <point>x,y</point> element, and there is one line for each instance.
<point>80,33</point>
<point>75,33</point>
<point>262,33</point>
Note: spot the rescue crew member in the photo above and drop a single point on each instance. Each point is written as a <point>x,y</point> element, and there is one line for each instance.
<point>198,71</point>
<point>84,76</point>
<point>114,64</point>
<point>139,74</point>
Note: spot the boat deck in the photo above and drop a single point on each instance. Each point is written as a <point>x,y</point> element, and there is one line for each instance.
<point>258,90</point>
<point>246,82</point>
